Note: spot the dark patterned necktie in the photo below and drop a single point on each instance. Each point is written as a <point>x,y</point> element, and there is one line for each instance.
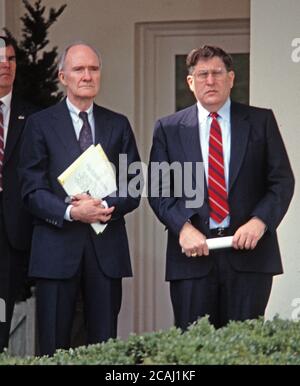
<point>217,192</point>
<point>1,144</point>
<point>85,136</point>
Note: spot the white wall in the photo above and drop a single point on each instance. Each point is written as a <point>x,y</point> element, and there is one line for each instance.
<point>275,83</point>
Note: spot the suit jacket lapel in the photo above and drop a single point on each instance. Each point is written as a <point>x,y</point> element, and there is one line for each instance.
<point>67,133</point>
<point>15,127</point>
<point>189,136</point>
<point>190,141</point>
<point>103,128</point>
<point>63,126</point>
<point>240,128</point>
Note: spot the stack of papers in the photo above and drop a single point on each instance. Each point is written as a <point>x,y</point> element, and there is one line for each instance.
<point>90,173</point>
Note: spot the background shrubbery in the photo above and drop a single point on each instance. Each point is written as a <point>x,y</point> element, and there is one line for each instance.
<point>249,342</point>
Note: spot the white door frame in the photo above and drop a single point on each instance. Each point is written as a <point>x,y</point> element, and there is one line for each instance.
<point>156,44</point>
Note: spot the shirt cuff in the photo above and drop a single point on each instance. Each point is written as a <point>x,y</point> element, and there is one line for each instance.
<point>104,204</point>
<point>67,215</point>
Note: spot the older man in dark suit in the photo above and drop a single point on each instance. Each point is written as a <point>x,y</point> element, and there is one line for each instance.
<point>66,253</point>
<point>248,186</point>
<point>15,221</point>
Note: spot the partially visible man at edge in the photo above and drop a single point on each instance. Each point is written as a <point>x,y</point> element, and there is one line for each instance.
<point>15,221</point>
<point>66,252</point>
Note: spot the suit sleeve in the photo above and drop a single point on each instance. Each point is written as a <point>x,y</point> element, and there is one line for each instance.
<point>129,176</point>
<point>280,180</point>
<point>172,211</point>
<point>36,190</point>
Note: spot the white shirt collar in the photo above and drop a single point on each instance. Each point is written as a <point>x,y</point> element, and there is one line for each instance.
<point>224,111</point>
<point>6,100</point>
<point>74,111</point>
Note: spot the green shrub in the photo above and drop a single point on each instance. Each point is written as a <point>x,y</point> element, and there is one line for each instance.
<point>250,342</point>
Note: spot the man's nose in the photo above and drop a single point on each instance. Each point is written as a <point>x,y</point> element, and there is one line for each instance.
<point>87,74</point>
<point>210,78</point>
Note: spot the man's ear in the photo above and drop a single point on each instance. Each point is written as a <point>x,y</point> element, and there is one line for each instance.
<point>232,77</point>
<point>61,77</point>
<point>190,82</point>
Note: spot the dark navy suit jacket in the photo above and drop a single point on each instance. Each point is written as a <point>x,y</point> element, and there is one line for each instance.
<point>15,221</point>
<point>18,222</point>
<point>261,184</point>
<point>49,147</point>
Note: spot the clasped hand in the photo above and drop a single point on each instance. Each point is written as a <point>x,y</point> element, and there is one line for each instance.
<point>89,210</point>
<point>193,242</point>
<point>248,235</point>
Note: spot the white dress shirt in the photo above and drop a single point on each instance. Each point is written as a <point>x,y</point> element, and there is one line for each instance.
<point>6,101</point>
<point>77,124</point>
<point>204,127</point>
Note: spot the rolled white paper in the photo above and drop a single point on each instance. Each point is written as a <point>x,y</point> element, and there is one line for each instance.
<point>219,242</point>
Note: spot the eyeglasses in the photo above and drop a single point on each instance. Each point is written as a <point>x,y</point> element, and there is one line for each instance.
<point>202,75</point>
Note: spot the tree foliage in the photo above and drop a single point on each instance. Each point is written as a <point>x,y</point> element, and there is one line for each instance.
<point>36,78</point>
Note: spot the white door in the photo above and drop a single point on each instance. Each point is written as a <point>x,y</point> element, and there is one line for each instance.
<point>157,45</point>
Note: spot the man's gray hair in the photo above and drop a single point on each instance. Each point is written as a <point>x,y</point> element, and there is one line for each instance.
<point>62,58</point>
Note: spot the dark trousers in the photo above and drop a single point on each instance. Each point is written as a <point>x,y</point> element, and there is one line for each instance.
<point>56,301</point>
<point>224,294</point>
<point>12,277</point>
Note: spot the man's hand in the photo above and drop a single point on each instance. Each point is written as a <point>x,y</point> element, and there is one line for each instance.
<point>80,197</point>
<point>192,241</point>
<point>248,235</point>
<point>89,210</point>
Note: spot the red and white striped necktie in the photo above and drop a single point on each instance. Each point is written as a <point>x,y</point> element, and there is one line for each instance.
<point>217,192</point>
<point>1,144</point>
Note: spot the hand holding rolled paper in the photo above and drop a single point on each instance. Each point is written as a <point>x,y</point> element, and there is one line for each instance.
<point>219,242</point>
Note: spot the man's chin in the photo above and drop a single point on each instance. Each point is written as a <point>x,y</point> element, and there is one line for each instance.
<point>87,95</point>
<point>6,86</point>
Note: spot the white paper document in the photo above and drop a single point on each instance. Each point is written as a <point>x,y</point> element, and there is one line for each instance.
<point>90,173</point>
<point>219,242</point>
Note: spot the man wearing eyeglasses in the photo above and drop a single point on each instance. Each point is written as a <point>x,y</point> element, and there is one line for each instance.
<point>15,222</point>
<point>248,186</point>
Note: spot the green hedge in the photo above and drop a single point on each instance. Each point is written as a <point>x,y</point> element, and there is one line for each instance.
<point>249,342</point>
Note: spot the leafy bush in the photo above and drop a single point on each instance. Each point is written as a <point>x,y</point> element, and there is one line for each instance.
<point>250,342</point>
